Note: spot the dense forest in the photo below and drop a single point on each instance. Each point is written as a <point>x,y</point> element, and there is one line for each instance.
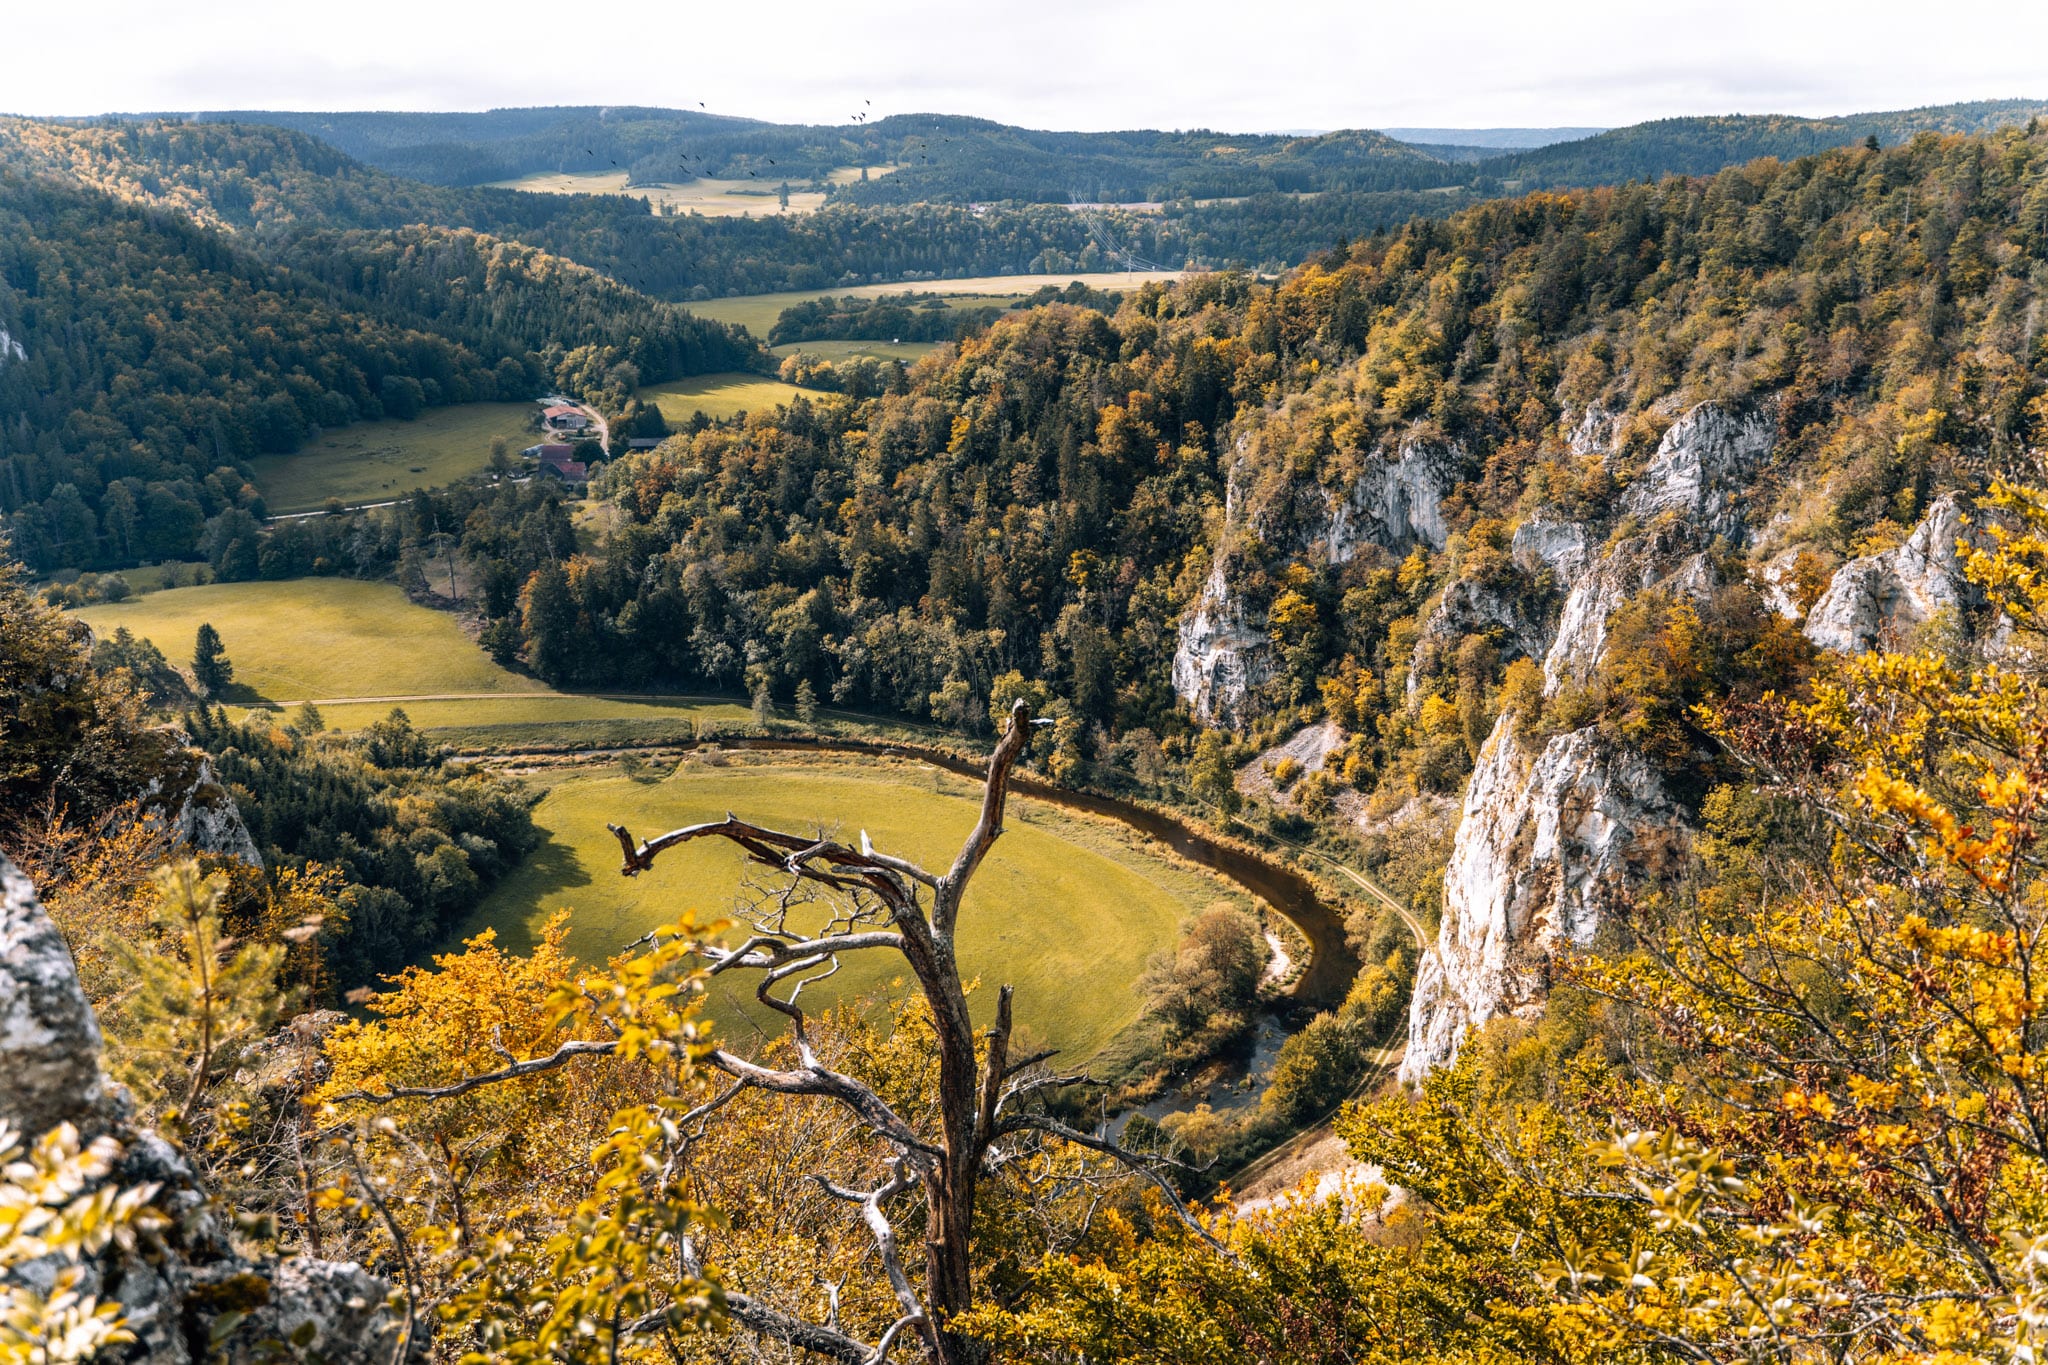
<point>148,357</point>
<point>1045,499</point>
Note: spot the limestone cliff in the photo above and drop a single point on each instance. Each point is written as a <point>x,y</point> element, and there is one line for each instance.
<point>184,1290</point>
<point>1552,831</point>
<point>1223,652</point>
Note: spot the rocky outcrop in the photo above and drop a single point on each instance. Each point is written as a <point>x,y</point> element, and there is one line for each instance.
<point>183,1289</point>
<point>188,796</point>
<point>1220,658</point>
<point>1544,843</point>
<point>1395,504</point>
<point>1548,840</point>
<point>10,349</point>
<point>49,1039</point>
<point>1884,594</point>
<point>1222,655</point>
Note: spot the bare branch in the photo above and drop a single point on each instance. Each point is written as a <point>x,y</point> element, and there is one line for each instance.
<point>1145,1166</point>
<point>561,1056</point>
<point>994,797</point>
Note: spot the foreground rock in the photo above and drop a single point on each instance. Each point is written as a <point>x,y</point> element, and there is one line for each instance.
<point>184,1290</point>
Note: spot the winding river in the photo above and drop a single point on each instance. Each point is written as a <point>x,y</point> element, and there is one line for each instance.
<point>1332,964</point>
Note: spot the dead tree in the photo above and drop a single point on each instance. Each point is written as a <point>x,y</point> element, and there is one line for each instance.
<point>989,1104</point>
<point>983,1102</point>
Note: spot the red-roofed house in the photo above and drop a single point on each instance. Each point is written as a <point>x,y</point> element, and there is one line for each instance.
<point>562,417</point>
<point>554,459</point>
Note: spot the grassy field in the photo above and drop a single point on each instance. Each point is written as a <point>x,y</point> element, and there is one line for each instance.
<point>758,312</point>
<point>718,395</point>
<point>909,351</point>
<point>1067,909</point>
<point>316,637</point>
<point>753,195</point>
<point>372,461</point>
<point>321,638</point>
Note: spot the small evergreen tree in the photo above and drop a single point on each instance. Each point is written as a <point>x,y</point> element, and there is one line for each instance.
<point>807,703</point>
<point>764,703</point>
<point>210,666</point>
<point>195,1004</point>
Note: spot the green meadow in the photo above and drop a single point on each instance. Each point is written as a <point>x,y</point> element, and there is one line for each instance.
<point>374,461</point>
<point>718,395</point>
<point>1066,909</point>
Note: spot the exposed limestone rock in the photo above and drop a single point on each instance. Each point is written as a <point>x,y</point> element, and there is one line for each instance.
<point>10,349</point>
<point>1594,432</point>
<point>49,1039</point>
<point>1700,470</point>
<point>1220,658</point>
<point>1689,495</point>
<point>1396,504</point>
<point>1903,587</point>
<point>1775,578</point>
<point>1544,843</point>
<point>183,1284</point>
<point>1310,747</point>
<point>1472,608</point>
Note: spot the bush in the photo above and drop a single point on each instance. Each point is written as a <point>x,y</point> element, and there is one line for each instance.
<point>1317,1068</point>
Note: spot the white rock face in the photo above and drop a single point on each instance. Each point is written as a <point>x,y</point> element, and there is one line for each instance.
<point>1220,658</point>
<point>1546,840</point>
<point>1544,843</point>
<point>1903,587</point>
<point>10,349</point>
<point>1395,504</point>
<point>1222,655</point>
<point>1687,496</point>
<point>1700,469</point>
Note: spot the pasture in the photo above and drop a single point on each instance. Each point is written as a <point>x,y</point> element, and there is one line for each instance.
<point>375,461</point>
<point>758,312</point>
<point>1067,909</point>
<point>718,395</point>
<point>316,637</point>
<point>910,352</point>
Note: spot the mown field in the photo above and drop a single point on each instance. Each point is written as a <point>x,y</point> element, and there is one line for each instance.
<point>717,395</point>
<point>373,461</point>
<point>908,351</point>
<point>316,637</point>
<point>758,312</point>
<point>1067,909</point>
<point>325,639</point>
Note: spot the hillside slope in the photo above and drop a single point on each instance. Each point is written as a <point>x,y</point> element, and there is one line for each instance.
<point>147,358</point>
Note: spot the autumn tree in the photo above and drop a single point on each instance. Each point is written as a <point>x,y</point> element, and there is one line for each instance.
<point>979,1116</point>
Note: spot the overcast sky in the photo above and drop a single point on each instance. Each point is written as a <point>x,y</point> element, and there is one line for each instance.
<point>1238,65</point>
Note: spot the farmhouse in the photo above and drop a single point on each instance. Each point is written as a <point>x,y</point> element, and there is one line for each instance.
<point>555,462</point>
<point>562,417</point>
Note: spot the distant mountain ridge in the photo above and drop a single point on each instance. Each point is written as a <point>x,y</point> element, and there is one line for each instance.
<point>942,158</point>
<point>1498,139</point>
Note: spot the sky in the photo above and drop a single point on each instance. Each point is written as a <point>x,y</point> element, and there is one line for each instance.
<point>1238,66</point>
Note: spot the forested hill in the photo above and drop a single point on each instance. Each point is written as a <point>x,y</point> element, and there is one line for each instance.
<point>1701,146</point>
<point>952,159</point>
<point>942,158</point>
<point>1050,499</point>
<point>147,357</point>
<point>270,182</point>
